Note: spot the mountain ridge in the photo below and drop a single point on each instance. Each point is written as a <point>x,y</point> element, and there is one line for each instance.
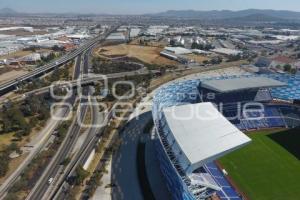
<point>226,14</point>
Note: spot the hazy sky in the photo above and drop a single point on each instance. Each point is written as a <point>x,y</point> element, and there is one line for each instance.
<point>143,6</point>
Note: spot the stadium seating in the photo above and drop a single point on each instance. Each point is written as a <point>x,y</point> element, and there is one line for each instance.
<point>269,118</point>
<point>227,191</point>
<point>179,93</point>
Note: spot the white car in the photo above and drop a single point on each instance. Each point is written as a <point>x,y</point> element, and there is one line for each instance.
<point>50,181</point>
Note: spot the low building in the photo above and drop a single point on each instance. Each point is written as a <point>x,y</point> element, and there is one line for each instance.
<point>172,56</point>
<point>119,36</point>
<point>178,50</point>
<point>78,36</point>
<point>3,61</point>
<point>227,52</point>
<point>31,59</point>
<point>263,62</point>
<point>281,61</point>
<point>200,52</point>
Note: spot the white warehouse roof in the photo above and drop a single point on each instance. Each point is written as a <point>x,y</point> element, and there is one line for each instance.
<point>116,36</point>
<point>227,51</point>
<point>178,50</point>
<point>204,135</point>
<point>243,83</point>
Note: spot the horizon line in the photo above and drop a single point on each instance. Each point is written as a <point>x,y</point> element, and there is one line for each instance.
<point>146,13</point>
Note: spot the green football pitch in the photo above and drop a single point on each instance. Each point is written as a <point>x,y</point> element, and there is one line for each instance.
<point>269,167</point>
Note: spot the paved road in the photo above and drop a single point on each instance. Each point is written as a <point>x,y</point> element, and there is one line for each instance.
<point>11,85</point>
<point>62,189</point>
<point>54,167</point>
<point>44,135</point>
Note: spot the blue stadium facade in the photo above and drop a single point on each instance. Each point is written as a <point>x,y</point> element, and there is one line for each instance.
<point>188,92</point>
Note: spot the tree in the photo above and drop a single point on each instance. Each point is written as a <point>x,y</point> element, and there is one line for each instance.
<point>58,48</point>
<point>205,62</point>
<point>194,45</point>
<point>11,196</point>
<point>13,147</point>
<point>172,43</point>
<point>293,71</point>
<point>216,60</point>
<point>233,58</point>
<point>287,68</point>
<point>14,120</point>
<point>81,174</point>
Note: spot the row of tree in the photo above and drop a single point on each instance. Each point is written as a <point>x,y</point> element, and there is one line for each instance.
<point>108,67</point>
<point>214,61</point>
<point>200,46</point>
<point>4,157</point>
<point>21,118</point>
<point>58,74</point>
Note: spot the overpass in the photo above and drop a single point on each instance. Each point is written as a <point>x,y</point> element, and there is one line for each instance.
<point>12,84</point>
<point>92,80</point>
<point>82,82</point>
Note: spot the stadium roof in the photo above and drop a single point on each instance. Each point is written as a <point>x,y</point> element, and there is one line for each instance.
<point>243,83</point>
<point>204,135</point>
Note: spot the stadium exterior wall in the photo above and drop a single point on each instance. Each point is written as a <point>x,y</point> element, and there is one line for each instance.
<point>173,180</point>
<point>168,96</point>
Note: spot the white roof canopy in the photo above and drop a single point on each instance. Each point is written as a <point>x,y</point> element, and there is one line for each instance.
<point>243,83</point>
<point>202,133</point>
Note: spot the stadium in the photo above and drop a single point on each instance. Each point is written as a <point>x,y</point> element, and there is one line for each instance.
<point>188,146</point>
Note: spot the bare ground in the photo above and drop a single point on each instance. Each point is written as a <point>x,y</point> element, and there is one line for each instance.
<point>144,53</point>
<point>11,75</point>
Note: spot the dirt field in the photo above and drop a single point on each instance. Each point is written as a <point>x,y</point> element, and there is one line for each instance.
<point>160,44</point>
<point>13,165</point>
<point>16,54</point>
<point>197,58</point>
<point>23,33</point>
<point>5,140</point>
<point>11,75</point>
<point>144,53</point>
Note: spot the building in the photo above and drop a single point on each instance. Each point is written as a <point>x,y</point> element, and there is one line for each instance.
<point>119,36</point>
<point>191,133</point>
<point>227,52</point>
<point>31,59</point>
<point>78,36</point>
<point>185,150</point>
<point>281,61</point>
<point>263,62</point>
<point>178,50</point>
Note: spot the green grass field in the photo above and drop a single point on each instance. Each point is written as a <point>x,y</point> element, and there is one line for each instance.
<point>268,168</point>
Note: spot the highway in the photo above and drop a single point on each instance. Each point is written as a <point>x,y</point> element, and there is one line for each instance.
<point>53,123</point>
<point>95,133</point>
<point>84,81</point>
<point>54,168</point>
<point>45,134</point>
<point>12,85</point>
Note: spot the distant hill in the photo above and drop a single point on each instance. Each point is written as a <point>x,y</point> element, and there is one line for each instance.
<point>255,18</point>
<point>7,11</point>
<point>226,14</point>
